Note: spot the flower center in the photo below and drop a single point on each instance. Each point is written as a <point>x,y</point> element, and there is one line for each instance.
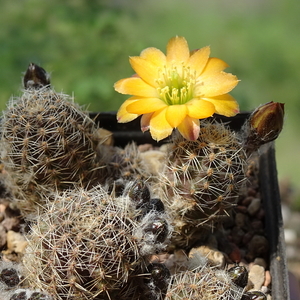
<point>176,85</point>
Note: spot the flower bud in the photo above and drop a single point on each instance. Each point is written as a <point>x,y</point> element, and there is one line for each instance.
<point>267,121</point>
<point>264,125</point>
<point>35,77</point>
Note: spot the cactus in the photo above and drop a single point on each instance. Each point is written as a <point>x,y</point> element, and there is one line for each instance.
<point>81,246</point>
<point>127,164</point>
<point>88,244</point>
<point>48,143</point>
<point>203,283</point>
<point>202,181</point>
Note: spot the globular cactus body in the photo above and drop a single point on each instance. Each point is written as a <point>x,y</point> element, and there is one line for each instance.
<point>202,180</point>
<point>204,283</point>
<point>87,244</point>
<point>82,246</point>
<point>48,143</point>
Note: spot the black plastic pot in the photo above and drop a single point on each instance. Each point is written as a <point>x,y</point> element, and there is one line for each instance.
<point>125,133</point>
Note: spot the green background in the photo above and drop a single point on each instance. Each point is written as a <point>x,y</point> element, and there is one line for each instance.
<point>85,46</point>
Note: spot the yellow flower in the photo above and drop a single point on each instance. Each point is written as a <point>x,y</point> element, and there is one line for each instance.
<point>176,90</point>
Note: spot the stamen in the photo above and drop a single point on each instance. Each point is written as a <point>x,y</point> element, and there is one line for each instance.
<point>175,88</point>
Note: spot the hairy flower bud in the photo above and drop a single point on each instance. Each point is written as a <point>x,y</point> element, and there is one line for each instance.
<point>264,125</point>
<point>267,121</point>
<point>36,77</point>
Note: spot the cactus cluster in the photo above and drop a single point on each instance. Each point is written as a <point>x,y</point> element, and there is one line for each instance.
<point>202,180</point>
<point>98,216</point>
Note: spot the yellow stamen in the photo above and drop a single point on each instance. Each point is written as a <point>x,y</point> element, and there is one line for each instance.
<point>175,88</point>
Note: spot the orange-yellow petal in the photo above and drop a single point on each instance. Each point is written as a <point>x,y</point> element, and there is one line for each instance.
<point>145,69</point>
<point>159,126</point>
<point>135,86</point>
<point>198,60</point>
<point>214,65</point>
<point>145,121</point>
<point>178,49</point>
<point>175,114</point>
<point>154,55</point>
<point>225,105</point>
<point>200,109</point>
<point>122,115</point>
<point>146,105</point>
<point>189,128</point>
<point>219,84</point>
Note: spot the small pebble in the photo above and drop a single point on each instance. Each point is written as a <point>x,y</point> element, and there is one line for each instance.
<point>174,262</point>
<point>2,236</point>
<point>247,237</point>
<point>257,276</point>
<point>268,279</point>
<point>242,209</point>
<point>260,262</point>
<point>105,136</point>
<point>2,208</point>
<point>265,289</point>
<point>237,235</point>
<point>145,147</point>
<point>214,257</point>
<point>260,214</point>
<point>257,225</point>
<point>11,223</point>
<point>258,246</point>
<point>235,254</point>
<point>16,242</point>
<point>252,192</point>
<point>240,220</point>
<point>254,206</point>
<point>2,216</point>
<point>247,201</point>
